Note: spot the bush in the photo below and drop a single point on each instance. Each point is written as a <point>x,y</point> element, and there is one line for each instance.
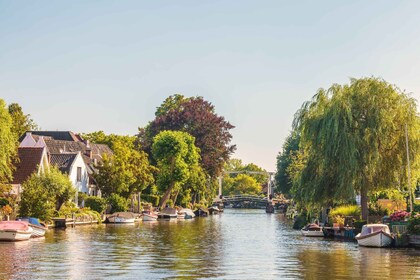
<point>399,216</point>
<point>359,224</point>
<point>3,201</point>
<point>346,210</point>
<point>300,221</point>
<point>414,225</point>
<point>81,196</point>
<point>96,203</point>
<point>118,203</point>
<point>153,199</point>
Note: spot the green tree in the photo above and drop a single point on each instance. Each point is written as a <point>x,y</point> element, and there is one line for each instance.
<point>353,141</point>
<point>197,117</point>
<point>125,172</point>
<point>243,184</point>
<point>96,203</point>
<point>45,193</point>
<point>176,157</point>
<point>284,160</point>
<point>21,122</point>
<point>118,203</point>
<point>8,145</point>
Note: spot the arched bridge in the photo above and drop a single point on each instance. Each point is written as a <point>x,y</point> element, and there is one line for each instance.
<point>260,201</point>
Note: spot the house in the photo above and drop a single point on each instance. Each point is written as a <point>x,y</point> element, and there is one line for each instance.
<point>67,143</point>
<point>31,160</point>
<point>73,165</point>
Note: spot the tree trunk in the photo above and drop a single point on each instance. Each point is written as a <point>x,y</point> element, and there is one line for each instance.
<point>166,195</point>
<point>175,196</point>
<point>139,201</point>
<point>364,203</point>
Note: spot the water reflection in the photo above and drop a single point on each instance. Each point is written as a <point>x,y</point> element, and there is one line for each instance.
<point>239,244</point>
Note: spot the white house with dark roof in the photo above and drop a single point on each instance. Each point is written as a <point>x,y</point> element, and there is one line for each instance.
<point>65,142</point>
<point>73,165</point>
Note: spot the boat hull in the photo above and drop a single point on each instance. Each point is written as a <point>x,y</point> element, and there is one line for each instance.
<point>37,231</point>
<point>121,220</point>
<point>149,218</point>
<point>167,216</point>
<point>376,239</point>
<point>312,233</point>
<point>15,235</point>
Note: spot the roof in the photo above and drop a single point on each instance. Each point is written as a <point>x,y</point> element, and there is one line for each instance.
<point>63,161</point>
<point>59,146</point>
<point>56,135</point>
<point>29,161</point>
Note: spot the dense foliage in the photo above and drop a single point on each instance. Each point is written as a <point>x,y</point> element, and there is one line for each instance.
<point>21,122</point>
<point>45,193</point>
<point>284,160</point>
<point>177,160</point>
<point>352,140</point>
<point>117,203</point>
<point>96,203</point>
<point>8,145</point>
<point>197,117</point>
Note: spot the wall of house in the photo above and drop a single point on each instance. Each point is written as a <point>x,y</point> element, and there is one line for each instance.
<point>83,184</point>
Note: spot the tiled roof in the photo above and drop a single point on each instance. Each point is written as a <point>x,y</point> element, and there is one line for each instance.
<point>63,161</point>
<point>29,160</point>
<point>56,135</point>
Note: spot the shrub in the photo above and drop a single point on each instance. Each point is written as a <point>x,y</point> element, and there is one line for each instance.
<point>96,203</point>
<point>344,211</point>
<point>359,224</point>
<point>153,199</point>
<point>300,221</point>
<point>399,216</point>
<point>118,203</point>
<point>3,201</point>
<point>414,225</point>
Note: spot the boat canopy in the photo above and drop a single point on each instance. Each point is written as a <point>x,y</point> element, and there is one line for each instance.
<point>187,211</point>
<point>168,211</point>
<point>126,215</point>
<point>368,229</point>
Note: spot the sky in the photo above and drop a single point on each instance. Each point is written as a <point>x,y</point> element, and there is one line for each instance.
<point>86,66</point>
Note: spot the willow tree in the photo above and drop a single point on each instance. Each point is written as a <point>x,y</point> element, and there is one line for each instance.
<point>353,141</point>
<point>177,157</point>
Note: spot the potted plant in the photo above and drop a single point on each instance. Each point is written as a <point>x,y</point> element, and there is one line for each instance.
<point>413,229</point>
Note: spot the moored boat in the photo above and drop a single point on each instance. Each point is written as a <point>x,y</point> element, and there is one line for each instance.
<point>201,212</point>
<point>312,230</point>
<point>15,231</point>
<point>122,218</point>
<point>185,214</point>
<point>149,216</point>
<point>168,213</point>
<point>213,210</point>
<point>374,235</point>
<point>39,228</point>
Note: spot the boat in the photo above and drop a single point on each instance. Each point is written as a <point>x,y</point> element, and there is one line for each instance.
<point>15,231</point>
<point>122,218</point>
<point>149,216</point>
<point>374,235</point>
<point>185,214</point>
<point>39,228</point>
<point>168,213</point>
<point>312,230</point>
<point>213,210</point>
<point>201,212</point>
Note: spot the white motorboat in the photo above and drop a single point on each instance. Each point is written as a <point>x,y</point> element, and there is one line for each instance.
<point>149,216</point>
<point>122,218</point>
<point>185,213</point>
<point>312,230</point>
<point>375,235</point>
<point>168,213</point>
<point>15,231</point>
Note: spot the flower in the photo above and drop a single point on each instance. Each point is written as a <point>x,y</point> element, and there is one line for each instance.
<point>399,216</point>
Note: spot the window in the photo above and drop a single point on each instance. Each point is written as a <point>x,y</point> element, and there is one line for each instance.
<point>79,174</point>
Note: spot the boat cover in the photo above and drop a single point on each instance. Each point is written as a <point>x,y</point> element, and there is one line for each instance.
<point>13,225</point>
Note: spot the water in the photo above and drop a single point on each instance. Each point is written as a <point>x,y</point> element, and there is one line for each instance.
<point>239,244</point>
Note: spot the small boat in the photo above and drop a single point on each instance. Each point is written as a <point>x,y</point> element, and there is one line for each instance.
<point>185,214</point>
<point>149,216</point>
<point>374,235</point>
<point>213,210</point>
<point>168,213</point>
<point>201,212</point>
<point>39,228</point>
<point>312,230</point>
<point>122,218</point>
<point>15,231</point>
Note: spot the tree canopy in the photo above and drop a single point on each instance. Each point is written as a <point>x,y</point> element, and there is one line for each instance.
<point>177,160</point>
<point>8,144</point>
<point>197,117</point>
<point>21,122</point>
<point>45,193</point>
<point>352,140</point>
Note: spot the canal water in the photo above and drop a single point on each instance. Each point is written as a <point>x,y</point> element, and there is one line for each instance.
<point>238,244</point>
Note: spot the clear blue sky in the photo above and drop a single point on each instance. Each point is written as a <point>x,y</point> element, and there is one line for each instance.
<point>106,65</point>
